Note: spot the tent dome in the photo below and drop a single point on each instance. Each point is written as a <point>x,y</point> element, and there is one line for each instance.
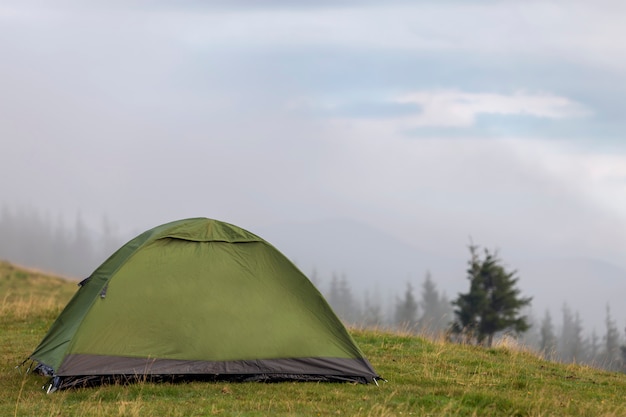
<point>199,298</point>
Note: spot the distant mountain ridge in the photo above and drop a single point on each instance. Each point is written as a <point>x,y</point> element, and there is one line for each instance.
<point>364,253</point>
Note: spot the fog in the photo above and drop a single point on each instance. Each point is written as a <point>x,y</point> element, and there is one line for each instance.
<point>430,122</point>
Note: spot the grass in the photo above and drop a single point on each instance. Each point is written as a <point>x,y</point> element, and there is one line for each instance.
<point>425,377</point>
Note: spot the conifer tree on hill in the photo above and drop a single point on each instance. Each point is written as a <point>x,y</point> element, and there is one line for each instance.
<point>548,338</point>
<point>493,302</point>
<point>436,309</point>
<point>572,343</point>
<point>406,310</point>
<point>623,351</point>
<point>372,312</point>
<point>611,358</point>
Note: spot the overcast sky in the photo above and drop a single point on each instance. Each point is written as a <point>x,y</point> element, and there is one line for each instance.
<point>431,120</point>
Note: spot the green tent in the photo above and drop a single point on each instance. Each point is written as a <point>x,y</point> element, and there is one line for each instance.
<point>198,298</point>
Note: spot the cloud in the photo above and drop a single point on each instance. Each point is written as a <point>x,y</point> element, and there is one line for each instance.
<point>460,109</point>
<point>451,113</point>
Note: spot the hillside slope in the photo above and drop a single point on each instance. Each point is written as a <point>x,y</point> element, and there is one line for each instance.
<point>423,377</point>
<point>18,282</point>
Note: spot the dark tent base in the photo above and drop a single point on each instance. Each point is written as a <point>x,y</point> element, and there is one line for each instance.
<point>90,370</point>
<point>73,382</point>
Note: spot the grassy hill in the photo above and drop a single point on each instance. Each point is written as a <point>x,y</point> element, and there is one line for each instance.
<point>424,377</point>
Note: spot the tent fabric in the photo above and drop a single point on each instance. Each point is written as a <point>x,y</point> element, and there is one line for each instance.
<point>200,297</point>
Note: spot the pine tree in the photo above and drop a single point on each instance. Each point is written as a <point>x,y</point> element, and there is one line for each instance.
<point>341,300</point>
<point>436,309</point>
<point>493,302</point>
<point>61,246</point>
<point>548,338</point>
<point>572,343</point>
<point>8,234</point>
<point>447,312</point>
<point>82,249</point>
<point>623,351</point>
<point>372,312</point>
<point>611,357</point>
<point>594,348</point>
<point>334,297</point>
<point>406,310</point>
<point>348,309</point>
<point>315,279</point>
<point>532,336</point>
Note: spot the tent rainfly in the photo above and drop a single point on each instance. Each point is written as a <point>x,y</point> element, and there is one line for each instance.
<point>198,298</point>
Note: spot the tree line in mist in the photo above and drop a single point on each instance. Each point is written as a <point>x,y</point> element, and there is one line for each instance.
<point>41,241</point>
<point>423,310</point>
<point>73,249</point>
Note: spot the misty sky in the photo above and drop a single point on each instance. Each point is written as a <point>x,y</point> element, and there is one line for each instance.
<point>431,120</point>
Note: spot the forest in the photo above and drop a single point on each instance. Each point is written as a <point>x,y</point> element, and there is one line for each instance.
<point>31,239</point>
